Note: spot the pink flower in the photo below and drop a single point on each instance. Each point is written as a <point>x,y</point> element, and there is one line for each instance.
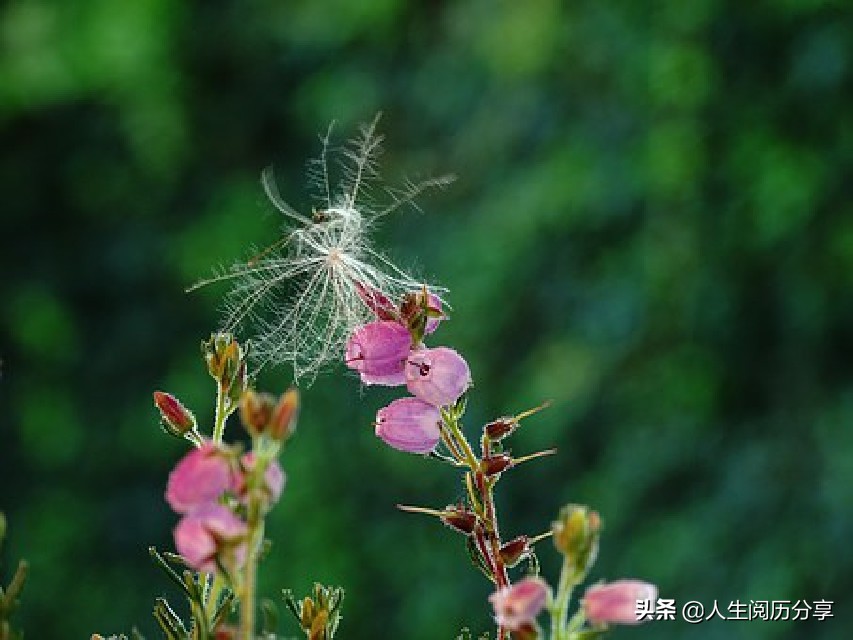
<point>200,478</point>
<point>616,602</point>
<point>274,477</point>
<point>437,376</point>
<point>378,351</point>
<point>208,532</point>
<point>519,604</point>
<point>410,425</point>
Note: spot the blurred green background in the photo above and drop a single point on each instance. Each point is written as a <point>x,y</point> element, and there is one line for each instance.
<point>653,228</point>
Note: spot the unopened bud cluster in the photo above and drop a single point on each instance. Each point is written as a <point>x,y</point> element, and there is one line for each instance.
<point>318,614</point>
<point>226,363</point>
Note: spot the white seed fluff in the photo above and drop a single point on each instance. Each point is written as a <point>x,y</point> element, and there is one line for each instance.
<point>299,296</point>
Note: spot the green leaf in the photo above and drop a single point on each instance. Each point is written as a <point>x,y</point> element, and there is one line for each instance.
<point>224,608</point>
<point>161,562</point>
<point>169,621</point>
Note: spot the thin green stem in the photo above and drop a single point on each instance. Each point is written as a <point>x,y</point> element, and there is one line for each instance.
<point>569,578</point>
<point>221,415</point>
<point>247,600</point>
<point>462,441</point>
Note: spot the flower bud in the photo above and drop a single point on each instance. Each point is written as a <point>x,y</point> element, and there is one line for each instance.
<point>421,312</point>
<point>576,535</point>
<point>200,478</point>
<point>226,363</point>
<point>283,420</point>
<point>438,376</point>
<point>517,606</point>
<point>237,384</point>
<point>256,411</point>
<point>209,532</point>
<point>176,418</point>
<point>377,302</point>
<point>617,602</point>
<point>493,465</point>
<point>378,351</point>
<point>513,551</point>
<point>500,428</point>
<point>460,519</point>
<point>319,615</point>
<point>410,425</point>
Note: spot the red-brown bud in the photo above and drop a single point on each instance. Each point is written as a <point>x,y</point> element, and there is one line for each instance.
<point>176,418</point>
<point>377,302</point>
<point>497,463</point>
<point>256,410</point>
<point>514,550</point>
<point>283,419</point>
<point>500,428</point>
<point>459,519</point>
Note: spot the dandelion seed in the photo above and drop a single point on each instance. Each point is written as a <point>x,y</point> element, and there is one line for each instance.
<point>301,294</point>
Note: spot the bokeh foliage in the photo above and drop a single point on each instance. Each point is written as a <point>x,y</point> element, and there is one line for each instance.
<point>653,228</point>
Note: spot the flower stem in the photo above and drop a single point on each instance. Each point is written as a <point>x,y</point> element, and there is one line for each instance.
<point>568,579</point>
<point>221,415</point>
<point>255,537</point>
<point>453,424</point>
<point>488,513</point>
<point>501,576</point>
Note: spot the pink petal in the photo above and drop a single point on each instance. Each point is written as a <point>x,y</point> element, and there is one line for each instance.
<point>378,351</point>
<point>409,425</point>
<point>274,477</point>
<point>616,602</point>
<point>199,478</point>
<point>207,532</point>
<point>519,604</point>
<point>438,376</point>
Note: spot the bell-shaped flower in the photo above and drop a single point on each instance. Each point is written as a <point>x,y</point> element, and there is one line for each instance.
<point>200,478</point>
<point>517,605</point>
<point>209,532</point>
<point>618,602</point>
<point>438,376</point>
<point>378,350</point>
<point>410,425</point>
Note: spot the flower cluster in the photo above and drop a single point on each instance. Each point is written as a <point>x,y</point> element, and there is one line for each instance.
<point>389,352</point>
<point>349,298</point>
<point>209,488</point>
<point>222,494</point>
